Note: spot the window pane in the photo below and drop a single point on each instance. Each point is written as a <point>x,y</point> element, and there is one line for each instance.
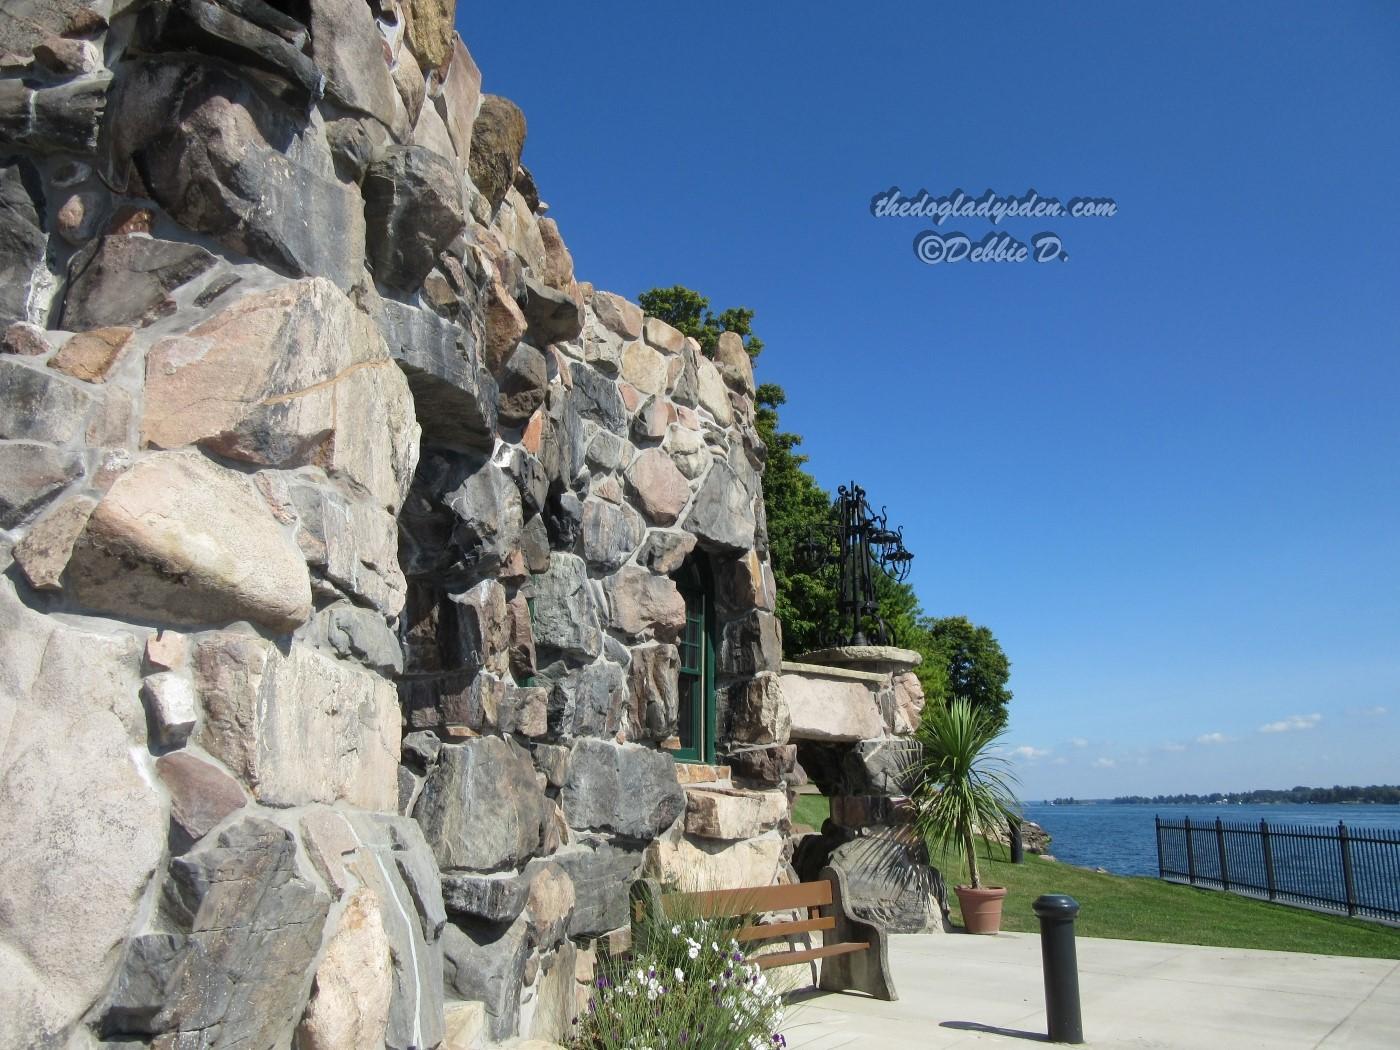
<point>686,718</point>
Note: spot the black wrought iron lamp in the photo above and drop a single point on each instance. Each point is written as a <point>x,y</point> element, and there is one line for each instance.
<point>864,542</point>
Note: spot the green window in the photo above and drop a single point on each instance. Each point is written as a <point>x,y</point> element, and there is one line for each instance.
<point>696,718</point>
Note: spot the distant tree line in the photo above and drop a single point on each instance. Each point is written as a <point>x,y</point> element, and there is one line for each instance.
<point>1385,793</point>
<point>960,659</point>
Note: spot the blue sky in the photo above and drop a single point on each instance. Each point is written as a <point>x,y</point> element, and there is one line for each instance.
<point>1164,472</point>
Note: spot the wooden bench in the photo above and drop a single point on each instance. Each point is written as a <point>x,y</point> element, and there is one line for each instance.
<point>854,954</point>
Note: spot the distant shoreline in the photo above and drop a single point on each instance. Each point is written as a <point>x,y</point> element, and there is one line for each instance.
<point>1201,802</point>
<point>1299,795</point>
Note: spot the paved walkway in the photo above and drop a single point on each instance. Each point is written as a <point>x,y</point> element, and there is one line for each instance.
<point>959,990</point>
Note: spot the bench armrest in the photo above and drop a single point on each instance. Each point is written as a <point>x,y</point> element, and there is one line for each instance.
<point>867,971</point>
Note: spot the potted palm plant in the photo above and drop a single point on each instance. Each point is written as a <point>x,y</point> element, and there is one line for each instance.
<point>962,789</point>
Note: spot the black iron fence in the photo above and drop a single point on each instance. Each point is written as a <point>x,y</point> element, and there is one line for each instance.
<point>1356,871</point>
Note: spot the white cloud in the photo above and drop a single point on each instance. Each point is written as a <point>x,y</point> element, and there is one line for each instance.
<point>1030,753</point>
<point>1078,741</point>
<point>1375,712</point>
<point>1104,763</point>
<point>1291,723</point>
<point>1172,745</point>
<point>1212,738</point>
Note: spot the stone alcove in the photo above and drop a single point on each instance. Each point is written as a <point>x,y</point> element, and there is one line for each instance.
<point>854,711</point>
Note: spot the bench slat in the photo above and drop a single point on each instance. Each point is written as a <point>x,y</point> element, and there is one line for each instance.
<point>808,954</point>
<point>782,929</point>
<point>750,900</point>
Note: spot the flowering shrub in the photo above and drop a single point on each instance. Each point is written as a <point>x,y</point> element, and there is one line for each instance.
<point>685,986</point>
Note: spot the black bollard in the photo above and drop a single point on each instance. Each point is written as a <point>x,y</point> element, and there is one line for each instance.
<point>1056,913</point>
<point>1018,849</point>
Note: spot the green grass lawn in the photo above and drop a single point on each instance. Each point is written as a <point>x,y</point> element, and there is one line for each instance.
<point>811,810</point>
<point>1145,909</point>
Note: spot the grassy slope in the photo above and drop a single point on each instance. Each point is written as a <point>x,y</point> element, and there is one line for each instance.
<point>1140,909</point>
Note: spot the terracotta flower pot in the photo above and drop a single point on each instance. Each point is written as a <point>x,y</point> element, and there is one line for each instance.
<point>981,908</point>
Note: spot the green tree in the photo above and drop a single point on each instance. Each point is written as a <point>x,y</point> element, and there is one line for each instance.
<point>689,313</point>
<point>794,504</point>
<point>977,669</point>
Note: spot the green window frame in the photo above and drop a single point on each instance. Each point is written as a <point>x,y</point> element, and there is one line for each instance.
<point>696,722</point>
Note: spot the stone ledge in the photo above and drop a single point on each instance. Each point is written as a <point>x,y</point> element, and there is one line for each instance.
<point>843,655</point>
<point>827,671</point>
<point>732,815</point>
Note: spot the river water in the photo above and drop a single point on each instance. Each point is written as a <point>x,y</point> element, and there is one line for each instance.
<point>1123,838</point>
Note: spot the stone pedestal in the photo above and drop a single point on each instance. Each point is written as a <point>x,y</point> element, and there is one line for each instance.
<point>854,711</point>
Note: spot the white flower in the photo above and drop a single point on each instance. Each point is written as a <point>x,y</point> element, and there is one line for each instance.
<point>680,975</point>
<point>676,930</point>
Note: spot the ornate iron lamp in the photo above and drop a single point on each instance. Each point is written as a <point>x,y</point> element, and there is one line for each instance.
<point>863,541</point>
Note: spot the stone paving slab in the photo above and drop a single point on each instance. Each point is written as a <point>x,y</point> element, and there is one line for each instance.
<point>962,991</point>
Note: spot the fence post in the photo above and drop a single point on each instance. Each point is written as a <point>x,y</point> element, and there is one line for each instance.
<point>1268,858</point>
<point>1220,848</point>
<point>1190,855</point>
<point>1161,861</point>
<point>1347,874</point>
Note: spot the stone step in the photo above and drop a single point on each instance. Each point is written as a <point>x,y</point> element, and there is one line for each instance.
<point>692,773</point>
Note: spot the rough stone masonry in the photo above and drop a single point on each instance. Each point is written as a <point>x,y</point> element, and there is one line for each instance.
<point>340,528</point>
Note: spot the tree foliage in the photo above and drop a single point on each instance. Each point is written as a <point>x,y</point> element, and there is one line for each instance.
<point>689,313</point>
<point>972,659</point>
<point>794,503</point>
<point>1385,794</point>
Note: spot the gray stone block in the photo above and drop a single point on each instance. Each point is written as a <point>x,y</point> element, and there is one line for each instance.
<point>481,807</point>
<point>244,929</point>
<point>626,789</point>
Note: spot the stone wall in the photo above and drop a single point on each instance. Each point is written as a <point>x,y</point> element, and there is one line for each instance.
<point>339,528</point>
